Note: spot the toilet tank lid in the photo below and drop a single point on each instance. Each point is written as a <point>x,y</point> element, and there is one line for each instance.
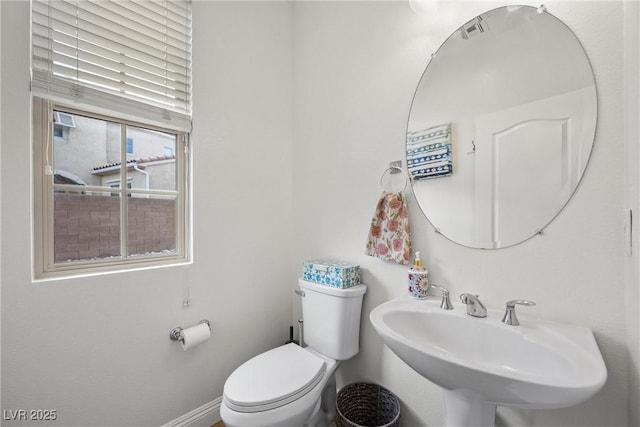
<point>329,290</point>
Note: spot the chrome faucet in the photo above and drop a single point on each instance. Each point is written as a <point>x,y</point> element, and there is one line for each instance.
<point>510,317</point>
<point>446,302</point>
<point>475,307</point>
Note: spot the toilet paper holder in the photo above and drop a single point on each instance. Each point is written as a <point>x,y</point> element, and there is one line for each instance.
<point>176,333</point>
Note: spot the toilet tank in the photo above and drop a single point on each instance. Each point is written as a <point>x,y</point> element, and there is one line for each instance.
<point>332,319</point>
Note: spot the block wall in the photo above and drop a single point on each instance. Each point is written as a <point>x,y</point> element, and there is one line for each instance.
<point>88,226</point>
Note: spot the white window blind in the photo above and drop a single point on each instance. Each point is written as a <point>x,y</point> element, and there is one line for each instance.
<point>133,57</point>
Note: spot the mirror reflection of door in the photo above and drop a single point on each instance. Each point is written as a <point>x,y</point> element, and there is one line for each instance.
<point>528,160</point>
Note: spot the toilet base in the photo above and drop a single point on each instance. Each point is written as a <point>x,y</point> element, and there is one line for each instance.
<point>325,411</point>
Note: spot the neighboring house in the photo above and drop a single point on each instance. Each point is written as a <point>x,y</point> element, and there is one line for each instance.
<point>146,173</point>
<point>86,152</point>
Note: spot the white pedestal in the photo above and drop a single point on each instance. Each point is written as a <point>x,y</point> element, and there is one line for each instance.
<point>467,411</point>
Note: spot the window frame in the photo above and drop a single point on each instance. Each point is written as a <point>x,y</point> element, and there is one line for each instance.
<point>44,266</point>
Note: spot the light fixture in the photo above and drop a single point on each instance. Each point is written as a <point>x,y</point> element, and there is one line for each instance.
<point>424,7</point>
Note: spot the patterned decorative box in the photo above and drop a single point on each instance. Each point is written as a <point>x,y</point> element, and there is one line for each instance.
<point>332,273</point>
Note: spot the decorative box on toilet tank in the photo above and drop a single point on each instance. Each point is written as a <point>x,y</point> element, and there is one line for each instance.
<point>332,273</point>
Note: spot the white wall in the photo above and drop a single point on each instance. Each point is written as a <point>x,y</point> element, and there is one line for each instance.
<point>1,60</point>
<point>97,349</point>
<point>632,186</point>
<point>356,67</point>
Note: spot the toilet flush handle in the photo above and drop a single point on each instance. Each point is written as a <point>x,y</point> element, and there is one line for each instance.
<point>301,293</point>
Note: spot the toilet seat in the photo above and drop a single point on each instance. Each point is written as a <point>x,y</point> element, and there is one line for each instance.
<point>273,379</point>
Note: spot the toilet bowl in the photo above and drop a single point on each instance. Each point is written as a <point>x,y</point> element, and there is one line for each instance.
<point>292,386</point>
<point>286,386</point>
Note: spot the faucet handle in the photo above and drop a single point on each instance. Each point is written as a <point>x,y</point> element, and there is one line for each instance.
<point>446,302</point>
<point>510,317</point>
<point>513,303</point>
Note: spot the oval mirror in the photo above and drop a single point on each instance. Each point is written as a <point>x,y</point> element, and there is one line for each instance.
<point>501,127</point>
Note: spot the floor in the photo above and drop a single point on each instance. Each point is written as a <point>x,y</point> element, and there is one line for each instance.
<point>221,424</point>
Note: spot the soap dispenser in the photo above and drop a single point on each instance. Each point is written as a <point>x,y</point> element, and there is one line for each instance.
<point>418,279</point>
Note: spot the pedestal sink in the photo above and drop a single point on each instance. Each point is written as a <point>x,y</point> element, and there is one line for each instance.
<point>481,362</point>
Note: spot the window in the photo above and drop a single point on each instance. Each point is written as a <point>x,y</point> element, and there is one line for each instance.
<point>58,131</point>
<point>93,222</point>
<point>105,75</point>
<point>62,121</point>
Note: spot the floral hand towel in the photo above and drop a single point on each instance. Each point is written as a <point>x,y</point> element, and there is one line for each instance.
<point>389,236</point>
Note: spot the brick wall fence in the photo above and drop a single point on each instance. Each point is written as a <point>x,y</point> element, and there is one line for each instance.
<point>88,226</point>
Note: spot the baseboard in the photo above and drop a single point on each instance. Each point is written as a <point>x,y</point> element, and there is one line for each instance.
<point>204,416</point>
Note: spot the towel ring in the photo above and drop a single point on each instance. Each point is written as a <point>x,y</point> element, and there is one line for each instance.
<point>391,169</point>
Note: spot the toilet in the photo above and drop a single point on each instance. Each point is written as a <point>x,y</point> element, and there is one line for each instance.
<point>293,386</point>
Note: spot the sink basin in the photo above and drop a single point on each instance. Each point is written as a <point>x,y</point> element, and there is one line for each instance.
<point>481,362</point>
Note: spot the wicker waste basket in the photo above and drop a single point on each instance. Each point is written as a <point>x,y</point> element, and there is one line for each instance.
<point>363,404</point>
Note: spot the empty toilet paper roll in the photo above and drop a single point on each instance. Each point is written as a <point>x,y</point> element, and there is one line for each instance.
<point>198,334</point>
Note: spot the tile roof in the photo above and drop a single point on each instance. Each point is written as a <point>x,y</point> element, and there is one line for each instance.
<point>137,161</point>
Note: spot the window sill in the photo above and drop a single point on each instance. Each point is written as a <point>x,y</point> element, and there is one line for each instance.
<point>84,271</point>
